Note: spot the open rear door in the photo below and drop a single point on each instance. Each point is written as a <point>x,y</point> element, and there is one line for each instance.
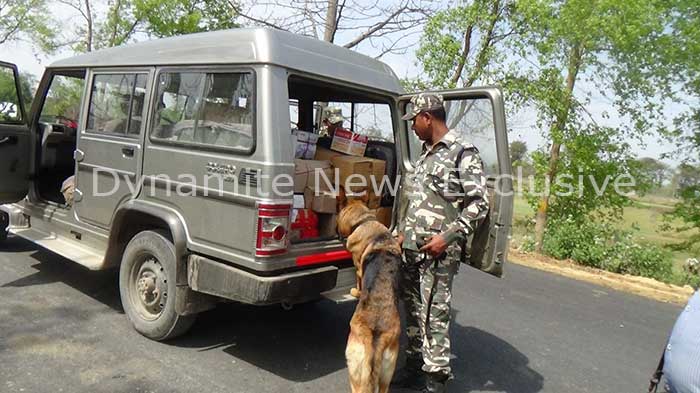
<point>14,137</point>
<point>478,114</point>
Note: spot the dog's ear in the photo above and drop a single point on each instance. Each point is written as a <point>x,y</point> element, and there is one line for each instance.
<point>341,199</point>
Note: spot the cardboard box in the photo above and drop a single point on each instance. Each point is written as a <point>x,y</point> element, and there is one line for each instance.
<point>305,174</point>
<point>320,201</point>
<point>301,175</point>
<point>327,225</point>
<point>348,142</point>
<point>346,166</point>
<point>304,144</point>
<point>317,169</point>
<point>324,154</point>
<point>359,168</point>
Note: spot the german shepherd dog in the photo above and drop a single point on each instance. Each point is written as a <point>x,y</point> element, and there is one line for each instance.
<point>373,344</point>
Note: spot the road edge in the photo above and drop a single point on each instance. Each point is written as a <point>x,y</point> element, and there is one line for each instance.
<point>640,286</point>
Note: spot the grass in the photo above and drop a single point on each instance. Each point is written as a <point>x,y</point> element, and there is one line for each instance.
<point>645,216</point>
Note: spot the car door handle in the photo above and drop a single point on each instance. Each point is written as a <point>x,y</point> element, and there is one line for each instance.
<point>8,140</point>
<point>128,152</point>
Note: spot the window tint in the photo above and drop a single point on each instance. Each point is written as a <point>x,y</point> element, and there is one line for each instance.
<point>9,99</point>
<point>213,109</point>
<point>473,121</point>
<point>117,104</point>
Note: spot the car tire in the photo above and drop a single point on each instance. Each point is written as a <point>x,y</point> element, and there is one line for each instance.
<point>4,223</point>
<point>147,283</point>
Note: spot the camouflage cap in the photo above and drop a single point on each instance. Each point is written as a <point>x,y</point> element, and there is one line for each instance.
<point>333,114</point>
<point>423,102</point>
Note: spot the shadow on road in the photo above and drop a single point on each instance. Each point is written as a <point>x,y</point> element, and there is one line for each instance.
<point>102,286</point>
<point>488,363</point>
<point>300,345</point>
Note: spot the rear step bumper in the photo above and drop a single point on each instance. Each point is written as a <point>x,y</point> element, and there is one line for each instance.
<point>215,278</point>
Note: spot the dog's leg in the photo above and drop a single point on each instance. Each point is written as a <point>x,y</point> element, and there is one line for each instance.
<point>355,355</point>
<point>389,357</point>
<point>355,292</point>
<point>359,369</point>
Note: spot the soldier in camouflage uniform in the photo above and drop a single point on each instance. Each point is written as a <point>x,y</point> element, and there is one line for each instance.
<point>442,207</point>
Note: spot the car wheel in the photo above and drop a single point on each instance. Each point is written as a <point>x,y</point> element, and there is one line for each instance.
<point>4,223</point>
<point>147,287</point>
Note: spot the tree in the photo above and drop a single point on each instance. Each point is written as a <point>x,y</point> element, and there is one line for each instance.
<point>176,17</point>
<point>383,26</point>
<point>125,19</point>
<point>654,170</point>
<point>688,209</point>
<point>612,45</point>
<point>518,152</point>
<point>21,19</point>
<point>460,45</point>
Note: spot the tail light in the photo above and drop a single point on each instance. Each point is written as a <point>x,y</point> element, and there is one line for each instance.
<point>273,226</point>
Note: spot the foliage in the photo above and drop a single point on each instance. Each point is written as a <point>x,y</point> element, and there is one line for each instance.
<point>654,171</point>
<point>460,45</point>
<point>27,19</point>
<point>175,17</point>
<point>518,152</point>
<point>611,45</point>
<point>125,19</point>
<point>688,209</point>
<point>594,160</point>
<point>601,245</point>
<point>64,98</point>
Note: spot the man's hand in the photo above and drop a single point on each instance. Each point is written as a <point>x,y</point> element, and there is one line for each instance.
<point>435,247</point>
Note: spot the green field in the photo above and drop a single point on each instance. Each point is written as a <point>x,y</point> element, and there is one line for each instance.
<point>645,217</point>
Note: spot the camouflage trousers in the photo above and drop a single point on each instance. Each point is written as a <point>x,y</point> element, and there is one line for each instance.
<point>420,276</point>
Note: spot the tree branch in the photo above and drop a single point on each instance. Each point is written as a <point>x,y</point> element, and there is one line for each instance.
<point>374,29</point>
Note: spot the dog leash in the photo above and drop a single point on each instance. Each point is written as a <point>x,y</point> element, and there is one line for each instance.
<point>433,288</point>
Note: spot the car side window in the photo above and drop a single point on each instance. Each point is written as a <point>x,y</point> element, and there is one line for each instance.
<point>207,109</point>
<point>9,99</point>
<point>117,104</point>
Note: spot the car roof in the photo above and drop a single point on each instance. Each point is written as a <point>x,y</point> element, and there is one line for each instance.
<point>247,46</point>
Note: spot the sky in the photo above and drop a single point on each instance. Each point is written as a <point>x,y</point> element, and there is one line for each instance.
<point>521,124</point>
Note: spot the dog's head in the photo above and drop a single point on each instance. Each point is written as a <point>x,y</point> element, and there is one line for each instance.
<point>354,212</point>
<point>344,198</point>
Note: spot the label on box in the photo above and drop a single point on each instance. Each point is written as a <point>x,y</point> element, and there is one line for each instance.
<point>348,142</point>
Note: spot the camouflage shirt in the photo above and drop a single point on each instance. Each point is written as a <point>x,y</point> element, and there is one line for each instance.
<point>434,193</point>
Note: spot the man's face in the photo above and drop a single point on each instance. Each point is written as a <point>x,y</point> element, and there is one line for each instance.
<point>422,126</point>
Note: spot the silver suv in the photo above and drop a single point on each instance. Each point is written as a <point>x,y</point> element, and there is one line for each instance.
<point>160,159</point>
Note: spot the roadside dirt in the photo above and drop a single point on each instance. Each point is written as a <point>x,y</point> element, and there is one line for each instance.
<point>641,286</point>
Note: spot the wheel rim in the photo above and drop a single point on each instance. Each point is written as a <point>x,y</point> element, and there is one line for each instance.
<point>148,287</point>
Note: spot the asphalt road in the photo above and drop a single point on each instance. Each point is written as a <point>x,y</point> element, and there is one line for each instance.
<point>62,330</point>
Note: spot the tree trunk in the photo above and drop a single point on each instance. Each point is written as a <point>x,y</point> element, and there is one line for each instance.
<point>575,57</point>
<point>88,12</point>
<point>331,21</point>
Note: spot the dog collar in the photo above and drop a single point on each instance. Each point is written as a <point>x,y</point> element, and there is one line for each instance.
<point>362,222</point>
<point>354,227</point>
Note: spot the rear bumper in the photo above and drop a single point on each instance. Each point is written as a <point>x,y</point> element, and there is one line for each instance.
<point>215,278</point>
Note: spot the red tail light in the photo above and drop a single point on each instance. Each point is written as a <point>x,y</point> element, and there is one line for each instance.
<point>273,224</point>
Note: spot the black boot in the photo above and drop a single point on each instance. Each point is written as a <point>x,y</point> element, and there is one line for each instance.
<point>410,376</point>
<point>435,383</point>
